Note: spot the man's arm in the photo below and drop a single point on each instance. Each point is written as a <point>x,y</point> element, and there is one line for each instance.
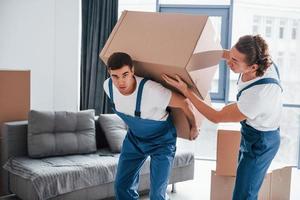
<point>179,101</point>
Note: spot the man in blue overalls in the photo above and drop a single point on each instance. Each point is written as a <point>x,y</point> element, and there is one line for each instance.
<point>258,108</point>
<point>142,104</point>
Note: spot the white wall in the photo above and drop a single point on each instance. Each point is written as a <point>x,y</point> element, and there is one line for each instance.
<point>44,36</point>
<point>67,52</point>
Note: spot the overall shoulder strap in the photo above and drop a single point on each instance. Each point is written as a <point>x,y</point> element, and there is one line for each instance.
<point>277,70</point>
<point>111,96</point>
<point>259,82</point>
<point>137,112</point>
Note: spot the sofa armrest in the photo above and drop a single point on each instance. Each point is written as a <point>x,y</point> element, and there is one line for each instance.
<point>14,139</point>
<point>14,143</point>
<point>101,140</point>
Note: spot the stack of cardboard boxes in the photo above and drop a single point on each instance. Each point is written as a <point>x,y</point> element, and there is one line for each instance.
<point>276,185</point>
<point>14,106</point>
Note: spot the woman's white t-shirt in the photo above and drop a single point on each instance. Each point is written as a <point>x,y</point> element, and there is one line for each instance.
<point>261,104</point>
<point>155,99</point>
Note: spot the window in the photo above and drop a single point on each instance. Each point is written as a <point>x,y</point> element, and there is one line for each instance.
<point>205,145</point>
<point>294,30</point>
<point>269,23</point>
<point>280,59</point>
<point>272,24</point>
<point>268,31</point>
<point>281,28</point>
<point>294,33</point>
<point>256,24</point>
<point>255,29</point>
<point>256,19</point>
<point>289,134</point>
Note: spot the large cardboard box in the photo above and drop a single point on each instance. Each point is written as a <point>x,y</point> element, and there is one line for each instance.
<point>14,105</point>
<point>169,43</point>
<point>228,145</point>
<point>279,184</point>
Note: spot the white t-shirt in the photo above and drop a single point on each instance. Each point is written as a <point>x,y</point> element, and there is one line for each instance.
<point>261,104</point>
<point>155,99</point>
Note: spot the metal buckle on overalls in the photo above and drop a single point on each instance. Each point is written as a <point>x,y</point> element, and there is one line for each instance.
<point>137,113</point>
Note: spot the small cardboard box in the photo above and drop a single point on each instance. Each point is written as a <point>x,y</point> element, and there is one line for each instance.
<point>279,184</point>
<point>222,187</point>
<point>228,145</point>
<point>169,43</point>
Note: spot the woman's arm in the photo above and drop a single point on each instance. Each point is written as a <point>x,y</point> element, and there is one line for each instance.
<point>229,113</point>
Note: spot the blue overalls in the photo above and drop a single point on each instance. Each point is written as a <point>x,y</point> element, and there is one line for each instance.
<point>257,150</point>
<point>144,138</point>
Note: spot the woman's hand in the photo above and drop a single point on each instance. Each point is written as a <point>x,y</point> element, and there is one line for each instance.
<point>226,54</point>
<point>178,83</point>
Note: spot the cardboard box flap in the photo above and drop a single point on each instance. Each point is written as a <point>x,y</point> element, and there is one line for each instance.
<point>208,50</point>
<point>151,32</point>
<point>209,39</point>
<point>205,59</point>
<point>202,80</point>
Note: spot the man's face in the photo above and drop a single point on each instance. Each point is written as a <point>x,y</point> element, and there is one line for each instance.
<point>123,79</point>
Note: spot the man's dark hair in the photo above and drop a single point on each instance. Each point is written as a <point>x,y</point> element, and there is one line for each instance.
<point>119,59</point>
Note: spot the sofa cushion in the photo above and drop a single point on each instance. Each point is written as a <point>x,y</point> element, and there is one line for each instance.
<point>53,133</point>
<point>114,129</point>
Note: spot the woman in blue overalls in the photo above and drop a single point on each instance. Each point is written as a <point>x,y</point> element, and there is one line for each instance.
<point>258,109</point>
<point>146,137</point>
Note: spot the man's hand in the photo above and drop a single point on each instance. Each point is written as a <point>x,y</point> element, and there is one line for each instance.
<point>194,133</point>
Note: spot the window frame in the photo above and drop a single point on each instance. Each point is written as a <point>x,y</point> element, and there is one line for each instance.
<point>223,11</point>
<point>224,73</point>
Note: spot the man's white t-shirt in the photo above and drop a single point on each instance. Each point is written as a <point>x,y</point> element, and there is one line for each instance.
<point>261,104</point>
<point>155,99</point>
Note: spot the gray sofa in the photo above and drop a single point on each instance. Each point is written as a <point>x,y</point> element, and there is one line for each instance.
<point>72,176</point>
